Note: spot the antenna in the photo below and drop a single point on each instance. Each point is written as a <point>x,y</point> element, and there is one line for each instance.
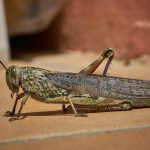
<point>3,65</point>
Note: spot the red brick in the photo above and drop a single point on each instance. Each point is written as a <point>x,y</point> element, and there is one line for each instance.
<point>88,25</point>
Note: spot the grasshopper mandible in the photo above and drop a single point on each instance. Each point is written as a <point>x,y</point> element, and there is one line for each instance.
<point>84,91</point>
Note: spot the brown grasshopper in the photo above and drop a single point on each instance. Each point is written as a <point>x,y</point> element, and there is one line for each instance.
<point>84,91</point>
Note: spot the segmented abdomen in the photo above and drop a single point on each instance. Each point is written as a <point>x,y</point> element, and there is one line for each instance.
<point>99,86</point>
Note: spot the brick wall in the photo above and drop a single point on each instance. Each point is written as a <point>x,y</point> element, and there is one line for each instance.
<point>91,25</point>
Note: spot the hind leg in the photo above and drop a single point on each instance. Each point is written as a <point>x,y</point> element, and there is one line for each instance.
<point>107,53</point>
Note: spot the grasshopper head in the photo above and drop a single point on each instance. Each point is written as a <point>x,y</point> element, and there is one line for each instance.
<point>13,78</point>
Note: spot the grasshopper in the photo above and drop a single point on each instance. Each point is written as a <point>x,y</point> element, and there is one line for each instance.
<point>83,91</point>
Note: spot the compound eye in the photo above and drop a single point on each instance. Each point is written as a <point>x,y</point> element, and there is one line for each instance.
<point>13,72</point>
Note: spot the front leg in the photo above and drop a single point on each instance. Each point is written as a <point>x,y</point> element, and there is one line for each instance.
<point>11,113</point>
<point>26,96</point>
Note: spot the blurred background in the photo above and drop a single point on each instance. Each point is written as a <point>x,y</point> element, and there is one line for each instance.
<point>56,26</point>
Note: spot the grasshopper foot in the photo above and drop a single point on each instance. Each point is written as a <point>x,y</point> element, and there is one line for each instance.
<point>16,118</point>
<point>81,115</point>
<point>78,114</point>
<point>8,113</point>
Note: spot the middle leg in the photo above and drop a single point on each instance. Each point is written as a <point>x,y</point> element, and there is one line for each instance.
<point>74,109</point>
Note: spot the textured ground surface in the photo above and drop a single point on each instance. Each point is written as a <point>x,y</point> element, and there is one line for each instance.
<point>46,127</point>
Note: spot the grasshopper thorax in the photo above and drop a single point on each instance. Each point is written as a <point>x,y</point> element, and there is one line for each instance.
<point>13,78</point>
